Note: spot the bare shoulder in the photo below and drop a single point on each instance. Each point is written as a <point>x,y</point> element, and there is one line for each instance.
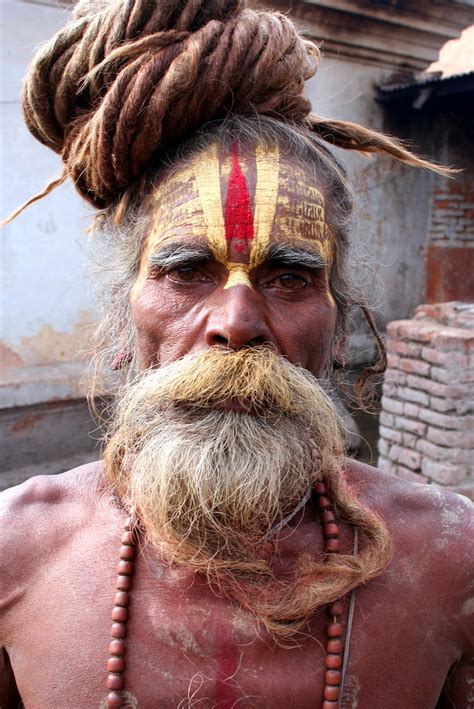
<point>37,518</point>
<point>432,536</point>
<point>45,495</point>
<point>443,515</point>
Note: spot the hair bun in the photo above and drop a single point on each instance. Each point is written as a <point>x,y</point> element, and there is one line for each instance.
<point>125,80</point>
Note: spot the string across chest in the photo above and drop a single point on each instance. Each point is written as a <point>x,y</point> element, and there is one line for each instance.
<point>336,639</point>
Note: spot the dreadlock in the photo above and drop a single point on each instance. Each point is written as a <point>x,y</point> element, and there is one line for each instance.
<point>124,81</point>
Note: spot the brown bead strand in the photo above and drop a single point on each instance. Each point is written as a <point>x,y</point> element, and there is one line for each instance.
<point>117,647</point>
<point>125,571</point>
<point>335,642</point>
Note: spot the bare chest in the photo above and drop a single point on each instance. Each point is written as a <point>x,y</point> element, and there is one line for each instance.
<point>186,646</point>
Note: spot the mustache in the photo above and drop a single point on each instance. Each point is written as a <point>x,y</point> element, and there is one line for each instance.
<point>260,379</point>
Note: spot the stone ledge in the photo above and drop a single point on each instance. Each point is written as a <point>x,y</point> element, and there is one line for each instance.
<point>36,436</point>
<point>16,476</point>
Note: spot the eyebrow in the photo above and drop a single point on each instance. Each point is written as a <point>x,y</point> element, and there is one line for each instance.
<point>175,254</point>
<point>178,253</point>
<point>290,255</point>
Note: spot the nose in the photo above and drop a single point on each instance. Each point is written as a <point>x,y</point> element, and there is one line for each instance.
<point>237,319</point>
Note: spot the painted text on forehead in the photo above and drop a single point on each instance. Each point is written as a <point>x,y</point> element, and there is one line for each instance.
<point>238,204</point>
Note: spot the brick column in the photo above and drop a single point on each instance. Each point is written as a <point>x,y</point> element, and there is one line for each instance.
<point>427,419</point>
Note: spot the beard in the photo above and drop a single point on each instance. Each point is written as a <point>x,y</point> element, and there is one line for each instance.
<point>214,450</point>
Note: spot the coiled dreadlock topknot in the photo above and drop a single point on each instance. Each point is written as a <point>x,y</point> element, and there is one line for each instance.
<point>127,79</point>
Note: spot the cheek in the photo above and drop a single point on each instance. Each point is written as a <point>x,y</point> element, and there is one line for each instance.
<point>323,337</point>
<point>148,321</point>
<point>312,334</point>
<point>164,324</point>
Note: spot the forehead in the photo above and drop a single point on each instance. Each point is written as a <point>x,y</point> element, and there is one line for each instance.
<point>238,202</point>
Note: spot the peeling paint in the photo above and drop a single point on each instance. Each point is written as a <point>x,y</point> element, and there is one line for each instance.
<point>9,358</point>
<point>49,345</point>
<point>47,225</point>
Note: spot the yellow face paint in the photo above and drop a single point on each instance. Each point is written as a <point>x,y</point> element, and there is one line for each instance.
<point>301,216</point>
<point>208,182</point>
<point>239,274</point>
<point>239,205</point>
<point>176,214</point>
<point>266,196</point>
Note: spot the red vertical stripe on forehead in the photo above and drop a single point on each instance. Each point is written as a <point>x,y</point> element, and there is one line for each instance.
<point>238,216</point>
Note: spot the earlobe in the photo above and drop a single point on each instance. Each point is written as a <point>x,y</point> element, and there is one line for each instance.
<point>121,360</point>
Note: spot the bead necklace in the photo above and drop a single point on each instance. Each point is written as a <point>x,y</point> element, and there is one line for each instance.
<point>125,570</point>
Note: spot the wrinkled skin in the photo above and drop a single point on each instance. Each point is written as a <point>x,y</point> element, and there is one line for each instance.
<point>187,646</point>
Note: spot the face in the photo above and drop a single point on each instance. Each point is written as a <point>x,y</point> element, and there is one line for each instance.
<point>238,255</point>
<point>225,437</point>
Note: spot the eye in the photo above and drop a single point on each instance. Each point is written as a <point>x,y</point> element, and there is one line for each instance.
<point>290,281</point>
<point>186,274</point>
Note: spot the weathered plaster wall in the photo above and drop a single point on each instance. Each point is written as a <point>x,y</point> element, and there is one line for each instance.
<point>44,300</point>
<point>367,43</point>
<point>392,201</point>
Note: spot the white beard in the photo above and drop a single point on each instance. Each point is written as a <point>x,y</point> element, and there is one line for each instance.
<point>221,477</point>
<point>217,480</point>
<point>207,484</point>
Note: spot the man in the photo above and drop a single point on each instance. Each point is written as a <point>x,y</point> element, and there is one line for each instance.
<point>224,553</point>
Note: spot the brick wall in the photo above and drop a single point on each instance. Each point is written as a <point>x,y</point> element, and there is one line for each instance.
<point>427,419</point>
<point>449,260</point>
<point>452,215</point>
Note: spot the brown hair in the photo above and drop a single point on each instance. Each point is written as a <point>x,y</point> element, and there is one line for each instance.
<point>125,81</point>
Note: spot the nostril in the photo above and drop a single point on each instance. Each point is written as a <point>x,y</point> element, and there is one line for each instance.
<point>221,340</point>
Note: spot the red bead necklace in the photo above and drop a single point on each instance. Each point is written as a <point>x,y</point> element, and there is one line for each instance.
<point>125,570</point>
<point>335,642</point>
<point>117,647</point>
